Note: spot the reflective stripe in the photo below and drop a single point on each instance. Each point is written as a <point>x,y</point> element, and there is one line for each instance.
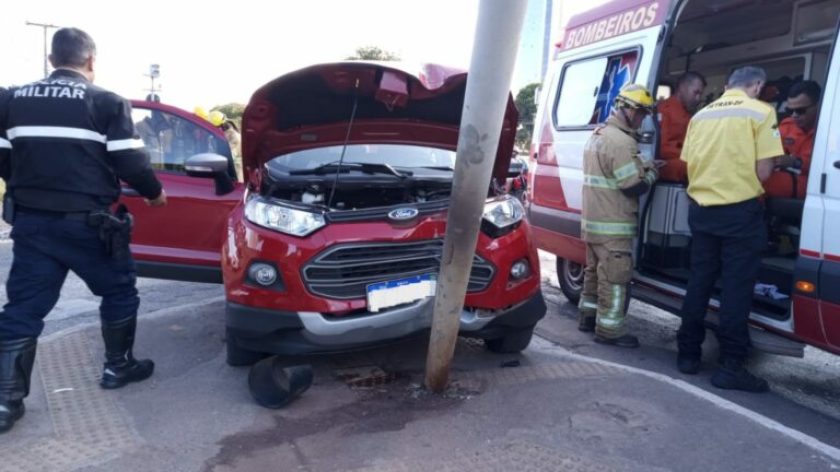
<point>54,132</point>
<point>123,144</point>
<point>599,182</point>
<point>730,113</point>
<point>609,322</point>
<point>614,318</point>
<point>626,171</point>
<point>5,144</point>
<point>609,228</point>
<point>589,305</point>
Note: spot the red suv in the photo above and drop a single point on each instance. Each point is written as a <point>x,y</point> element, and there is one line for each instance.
<point>335,237</point>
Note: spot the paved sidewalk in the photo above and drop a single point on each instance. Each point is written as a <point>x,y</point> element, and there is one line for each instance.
<point>366,412</point>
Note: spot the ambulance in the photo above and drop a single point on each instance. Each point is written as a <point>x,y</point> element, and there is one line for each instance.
<point>652,42</point>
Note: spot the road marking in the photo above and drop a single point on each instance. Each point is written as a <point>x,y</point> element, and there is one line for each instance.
<point>798,436</point>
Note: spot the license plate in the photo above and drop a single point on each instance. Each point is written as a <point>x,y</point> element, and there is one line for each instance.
<point>397,292</point>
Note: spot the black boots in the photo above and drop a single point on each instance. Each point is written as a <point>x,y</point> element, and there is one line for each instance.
<point>121,367</point>
<point>16,360</point>
<point>688,364</point>
<point>586,324</point>
<point>733,375</point>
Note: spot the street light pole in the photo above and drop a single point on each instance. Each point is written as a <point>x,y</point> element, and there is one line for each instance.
<point>46,27</point>
<point>154,73</point>
<point>488,88</point>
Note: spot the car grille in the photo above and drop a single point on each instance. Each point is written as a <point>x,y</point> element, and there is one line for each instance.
<point>345,271</point>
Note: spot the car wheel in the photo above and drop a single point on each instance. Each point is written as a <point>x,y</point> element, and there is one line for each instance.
<point>512,342</point>
<point>570,276</point>
<point>237,356</point>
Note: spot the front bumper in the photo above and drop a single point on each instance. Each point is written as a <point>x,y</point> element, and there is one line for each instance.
<point>295,333</point>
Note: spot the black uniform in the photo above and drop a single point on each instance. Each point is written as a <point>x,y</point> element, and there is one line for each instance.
<point>70,141</point>
<point>65,144</point>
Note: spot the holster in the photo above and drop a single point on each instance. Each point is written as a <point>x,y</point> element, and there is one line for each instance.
<point>114,230</point>
<point>8,208</point>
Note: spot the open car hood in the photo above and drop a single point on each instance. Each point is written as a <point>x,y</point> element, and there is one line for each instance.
<point>312,108</point>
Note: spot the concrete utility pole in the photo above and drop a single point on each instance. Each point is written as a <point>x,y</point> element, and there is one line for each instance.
<point>46,28</point>
<point>547,35</point>
<point>488,86</point>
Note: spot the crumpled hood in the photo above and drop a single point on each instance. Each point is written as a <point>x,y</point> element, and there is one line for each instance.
<point>312,107</point>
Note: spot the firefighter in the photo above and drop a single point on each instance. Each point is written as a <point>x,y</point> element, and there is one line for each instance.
<point>234,138</point>
<point>614,178</point>
<point>64,143</point>
<point>730,149</point>
<point>674,114</point>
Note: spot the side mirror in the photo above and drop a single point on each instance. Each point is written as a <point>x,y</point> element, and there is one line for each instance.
<point>206,165</point>
<point>211,166</point>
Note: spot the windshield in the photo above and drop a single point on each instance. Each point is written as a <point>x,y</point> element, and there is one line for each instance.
<point>396,155</point>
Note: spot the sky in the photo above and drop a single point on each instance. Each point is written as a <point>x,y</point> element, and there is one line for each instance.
<point>213,52</point>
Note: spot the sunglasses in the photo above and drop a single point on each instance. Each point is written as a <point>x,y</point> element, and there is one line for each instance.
<point>800,110</point>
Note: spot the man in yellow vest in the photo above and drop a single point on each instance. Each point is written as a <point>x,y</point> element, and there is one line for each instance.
<point>729,150</point>
<point>614,179</point>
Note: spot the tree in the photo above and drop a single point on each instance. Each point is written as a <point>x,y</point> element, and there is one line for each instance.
<point>373,53</point>
<point>233,112</point>
<point>527,107</point>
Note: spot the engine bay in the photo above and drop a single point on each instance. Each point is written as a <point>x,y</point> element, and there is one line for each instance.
<point>355,193</point>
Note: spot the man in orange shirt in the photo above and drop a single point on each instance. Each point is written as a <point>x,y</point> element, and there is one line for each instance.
<point>797,132</point>
<point>674,115</point>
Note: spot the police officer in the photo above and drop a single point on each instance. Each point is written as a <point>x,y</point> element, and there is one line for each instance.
<point>729,149</point>
<point>614,178</point>
<point>64,145</point>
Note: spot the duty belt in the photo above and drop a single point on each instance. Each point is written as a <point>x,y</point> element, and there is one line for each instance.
<point>72,215</point>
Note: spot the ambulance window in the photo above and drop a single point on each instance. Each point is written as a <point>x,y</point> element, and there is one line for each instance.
<point>589,87</point>
<point>816,21</point>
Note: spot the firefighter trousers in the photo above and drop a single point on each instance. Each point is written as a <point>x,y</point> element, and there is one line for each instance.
<point>609,268</point>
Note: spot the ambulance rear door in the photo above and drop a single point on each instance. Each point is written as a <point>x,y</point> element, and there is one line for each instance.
<point>821,222</point>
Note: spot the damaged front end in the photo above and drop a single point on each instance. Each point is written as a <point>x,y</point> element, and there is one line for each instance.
<point>360,176</point>
<point>387,135</point>
<point>301,191</point>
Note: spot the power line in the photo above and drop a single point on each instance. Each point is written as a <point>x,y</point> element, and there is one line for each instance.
<point>46,27</point>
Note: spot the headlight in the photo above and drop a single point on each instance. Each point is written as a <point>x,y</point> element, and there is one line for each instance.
<point>281,218</point>
<point>501,216</point>
<point>504,214</point>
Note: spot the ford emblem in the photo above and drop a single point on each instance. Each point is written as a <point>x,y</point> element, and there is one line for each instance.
<point>403,214</point>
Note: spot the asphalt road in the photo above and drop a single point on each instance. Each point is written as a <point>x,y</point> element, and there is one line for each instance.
<point>78,306</point>
<point>812,382</point>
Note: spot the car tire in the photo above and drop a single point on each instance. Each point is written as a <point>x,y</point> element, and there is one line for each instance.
<point>239,357</point>
<point>512,342</point>
<point>570,276</point>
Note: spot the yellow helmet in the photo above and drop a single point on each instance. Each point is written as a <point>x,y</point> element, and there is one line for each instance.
<point>200,112</point>
<point>634,96</point>
<point>216,118</point>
